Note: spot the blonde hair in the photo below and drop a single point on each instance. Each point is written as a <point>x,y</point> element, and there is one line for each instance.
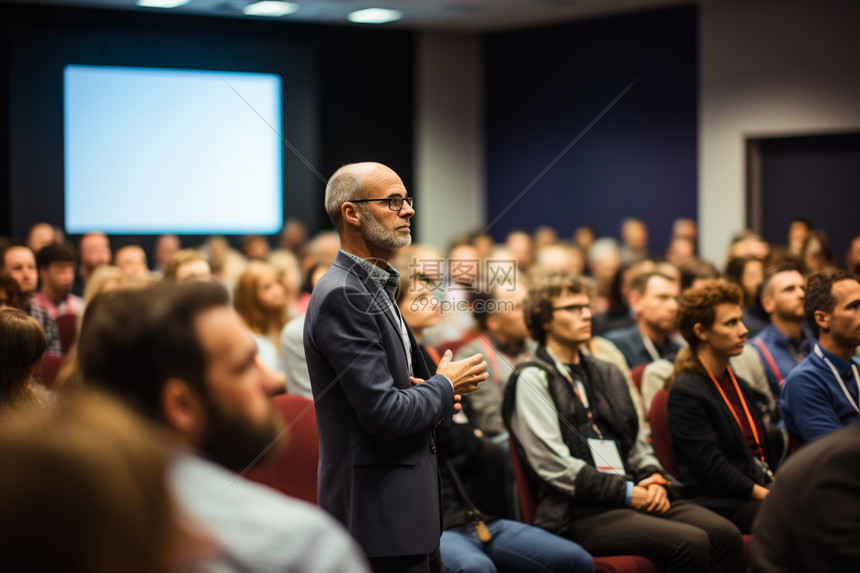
<point>180,258</point>
<point>248,305</point>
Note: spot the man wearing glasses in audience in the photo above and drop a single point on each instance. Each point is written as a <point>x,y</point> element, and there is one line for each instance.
<point>598,480</point>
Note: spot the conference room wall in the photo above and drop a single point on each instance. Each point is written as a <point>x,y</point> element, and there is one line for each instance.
<point>547,88</point>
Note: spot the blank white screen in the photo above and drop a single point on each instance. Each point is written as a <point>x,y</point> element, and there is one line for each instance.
<point>151,151</point>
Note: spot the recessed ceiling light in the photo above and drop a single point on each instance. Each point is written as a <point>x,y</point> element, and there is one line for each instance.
<point>160,3</point>
<point>374,16</point>
<point>270,8</point>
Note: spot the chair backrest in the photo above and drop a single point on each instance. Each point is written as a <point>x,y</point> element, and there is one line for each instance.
<point>293,469</point>
<point>602,564</point>
<point>660,435</point>
<point>67,324</point>
<point>50,368</point>
<point>524,488</point>
<point>795,441</point>
<point>636,373</point>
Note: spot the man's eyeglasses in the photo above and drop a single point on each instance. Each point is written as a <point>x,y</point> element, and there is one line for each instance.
<point>575,309</point>
<point>394,203</point>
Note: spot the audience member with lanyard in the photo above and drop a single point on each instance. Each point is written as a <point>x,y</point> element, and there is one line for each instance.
<point>719,438</point>
<point>820,396</point>
<point>596,479</point>
<point>786,340</point>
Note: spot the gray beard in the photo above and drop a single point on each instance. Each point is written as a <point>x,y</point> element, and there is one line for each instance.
<point>375,233</point>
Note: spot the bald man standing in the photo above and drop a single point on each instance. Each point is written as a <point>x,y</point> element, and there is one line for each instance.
<point>376,401</point>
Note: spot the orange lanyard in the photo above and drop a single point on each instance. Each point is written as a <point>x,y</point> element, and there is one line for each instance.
<point>731,409</point>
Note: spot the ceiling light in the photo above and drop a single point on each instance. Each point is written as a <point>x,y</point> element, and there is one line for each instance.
<point>160,3</point>
<point>270,8</point>
<point>374,16</point>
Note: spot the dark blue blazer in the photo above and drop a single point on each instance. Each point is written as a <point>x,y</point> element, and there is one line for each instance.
<point>378,473</point>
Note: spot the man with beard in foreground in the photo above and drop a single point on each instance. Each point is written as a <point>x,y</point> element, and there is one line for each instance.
<point>179,355</point>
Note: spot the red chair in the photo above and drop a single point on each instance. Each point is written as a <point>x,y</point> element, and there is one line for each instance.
<point>606,564</point>
<point>795,441</point>
<point>662,442</point>
<point>636,373</point>
<point>660,436</point>
<point>293,469</point>
<point>67,324</point>
<point>50,367</point>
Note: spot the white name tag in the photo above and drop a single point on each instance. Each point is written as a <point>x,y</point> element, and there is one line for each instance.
<point>606,457</point>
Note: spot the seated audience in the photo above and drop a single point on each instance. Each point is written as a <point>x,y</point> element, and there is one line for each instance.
<point>683,228</point>
<point>583,237</point>
<point>187,265</point>
<point>260,300</point>
<point>131,260</point>
<point>165,247</point>
<point>544,236</point>
<point>748,273</point>
<point>748,244</point>
<point>502,341</point>
<point>604,260</point>
<point>680,251</point>
<point>561,256</point>
<point>519,243</point>
<point>475,542</point>
<point>696,272</point>
<point>798,233</point>
<point>57,264</point>
<point>654,300</point>
<point>787,340</point>
<point>179,355</point>
<point>293,360</point>
<point>809,522</point>
<point>104,279</point>
<point>597,479</point>
<point>41,235</point>
<point>852,256</point>
<point>817,254</point>
<point>293,236</point>
<point>255,247</point>
<point>22,342</point>
<point>619,314</point>
<point>88,492</point>
<point>634,237</point>
<point>94,251</point>
<point>19,263</point>
<point>461,276</point>
<point>719,439</point>
<point>287,264</point>
<point>10,293</point>
<point>820,395</point>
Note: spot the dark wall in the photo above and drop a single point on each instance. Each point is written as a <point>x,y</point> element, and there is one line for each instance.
<point>546,85</point>
<point>348,94</point>
<point>817,178</point>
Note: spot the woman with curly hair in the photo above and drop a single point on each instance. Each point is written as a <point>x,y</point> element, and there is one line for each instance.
<point>718,436</point>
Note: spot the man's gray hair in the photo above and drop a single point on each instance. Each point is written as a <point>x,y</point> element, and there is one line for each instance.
<point>345,184</point>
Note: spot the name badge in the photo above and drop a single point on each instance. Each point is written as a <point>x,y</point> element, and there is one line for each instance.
<point>606,456</point>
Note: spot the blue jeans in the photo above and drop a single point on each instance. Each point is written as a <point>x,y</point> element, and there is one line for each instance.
<point>514,546</point>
